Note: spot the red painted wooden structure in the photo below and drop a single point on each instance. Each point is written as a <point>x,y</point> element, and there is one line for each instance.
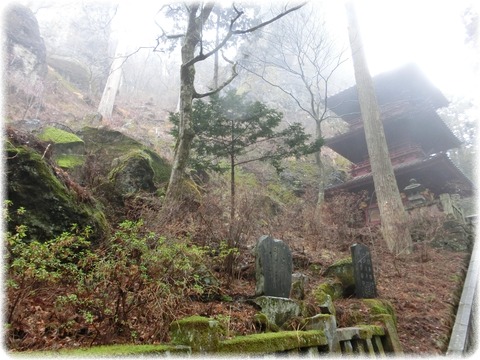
<point>417,137</point>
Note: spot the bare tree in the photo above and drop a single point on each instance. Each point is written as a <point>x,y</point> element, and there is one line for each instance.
<point>300,62</point>
<point>394,219</point>
<point>193,51</point>
<point>105,108</point>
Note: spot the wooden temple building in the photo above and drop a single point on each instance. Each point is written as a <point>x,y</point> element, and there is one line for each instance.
<point>417,139</point>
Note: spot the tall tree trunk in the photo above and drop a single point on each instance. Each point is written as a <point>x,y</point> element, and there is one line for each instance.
<point>105,108</point>
<point>231,240</point>
<point>320,167</point>
<point>187,92</point>
<point>394,220</point>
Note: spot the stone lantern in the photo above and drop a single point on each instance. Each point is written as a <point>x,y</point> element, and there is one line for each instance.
<point>413,192</point>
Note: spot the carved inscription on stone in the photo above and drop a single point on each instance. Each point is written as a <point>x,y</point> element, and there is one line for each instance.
<point>363,272</point>
<point>273,268</point>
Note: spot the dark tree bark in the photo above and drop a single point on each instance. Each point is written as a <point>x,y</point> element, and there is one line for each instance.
<point>394,220</point>
<point>187,93</point>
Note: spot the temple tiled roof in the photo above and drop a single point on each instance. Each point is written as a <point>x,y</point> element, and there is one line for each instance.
<point>426,127</point>
<point>405,84</point>
<point>437,172</point>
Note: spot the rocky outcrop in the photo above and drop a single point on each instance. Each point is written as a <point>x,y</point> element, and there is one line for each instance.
<point>63,178</point>
<point>68,149</point>
<point>26,52</point>
<point>126,164</point>
<point>133,173</point>
<point>72,70</point>
<point>52,204</point>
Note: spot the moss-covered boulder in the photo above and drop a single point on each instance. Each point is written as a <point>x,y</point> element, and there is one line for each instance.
<point>51,207</point>
<point>109,149</point>
<point>133,173</point>
<point>68,148</point>
<point>326,293</point>
<point>343,271</point>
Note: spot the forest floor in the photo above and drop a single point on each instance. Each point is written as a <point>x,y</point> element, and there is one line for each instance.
<point>424,289</point>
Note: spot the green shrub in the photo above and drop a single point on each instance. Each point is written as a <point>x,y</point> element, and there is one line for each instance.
<point>129,287</point>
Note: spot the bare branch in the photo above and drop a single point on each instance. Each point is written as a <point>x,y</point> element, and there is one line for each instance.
<point>232,32</point>
<point>259,26</point>
<point>223,85</point>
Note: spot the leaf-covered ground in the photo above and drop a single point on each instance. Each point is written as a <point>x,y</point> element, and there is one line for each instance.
<point>424,289</point>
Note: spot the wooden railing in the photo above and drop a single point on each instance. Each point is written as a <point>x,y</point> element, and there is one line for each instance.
<point>462,339</point>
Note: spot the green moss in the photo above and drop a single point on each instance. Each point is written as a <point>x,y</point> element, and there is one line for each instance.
<point>122,162</point>
<point>322,297</point>
<point>105,351</point>
<point>261,320</point>
<point>330,287</point>
<point>160,166</point>
<point>195,320</point>
<point>343,270</point>
<point>32,163</point>
<point>51,207</point>
<point>325,301</point>
<point>58,136</point>
<point>70,161</point>
<point>381,307</point>
<point>342,262</point>
<point>268,343</point>
<point>200,333</point>
<point>161,169</point>
<point>367,331</point>
<point>132,173</point>
<point>108,145</point>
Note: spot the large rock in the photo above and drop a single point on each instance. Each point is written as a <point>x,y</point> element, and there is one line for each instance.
<point>26,52</point>
<point>110,148</point>
<point>343,271</point>
<point>121,171</point>
<point>51,206</point>
<point>72,70</point>
<point>68,148</point>
<point>133,173</point>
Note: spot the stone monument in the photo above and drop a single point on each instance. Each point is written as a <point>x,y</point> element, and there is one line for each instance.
<point>273,268</point>
<point>363,272</point>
